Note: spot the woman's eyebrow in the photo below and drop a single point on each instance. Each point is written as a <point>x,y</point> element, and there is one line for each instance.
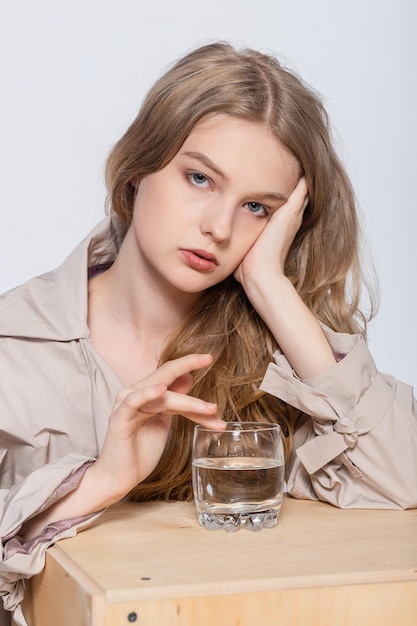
<point>206,161</point>
<point>269,195</point>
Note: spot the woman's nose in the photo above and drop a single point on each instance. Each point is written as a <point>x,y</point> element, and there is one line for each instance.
<point>217,223</point>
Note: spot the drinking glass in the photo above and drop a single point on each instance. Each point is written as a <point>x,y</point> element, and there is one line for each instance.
<point>238,475</point>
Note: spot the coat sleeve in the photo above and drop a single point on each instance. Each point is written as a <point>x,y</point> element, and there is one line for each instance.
<point>21,560</point>
<point>356,443</point>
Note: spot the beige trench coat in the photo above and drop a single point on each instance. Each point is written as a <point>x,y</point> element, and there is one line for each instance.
<point>358,448</point>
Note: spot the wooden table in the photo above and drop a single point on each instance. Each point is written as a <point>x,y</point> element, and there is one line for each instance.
<point>153,565</point>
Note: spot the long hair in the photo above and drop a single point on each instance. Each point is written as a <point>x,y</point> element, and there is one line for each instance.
<point>323,261</point>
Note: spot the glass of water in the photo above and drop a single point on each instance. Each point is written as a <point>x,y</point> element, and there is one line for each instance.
<point>238,475</point>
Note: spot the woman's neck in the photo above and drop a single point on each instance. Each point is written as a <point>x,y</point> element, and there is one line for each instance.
<point>131,316</point>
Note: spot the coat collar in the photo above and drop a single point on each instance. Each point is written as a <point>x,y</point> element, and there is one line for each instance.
<point>54,305</point>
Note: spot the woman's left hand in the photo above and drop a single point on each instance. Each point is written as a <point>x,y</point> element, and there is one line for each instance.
<point>269,252</point>
<point>261,273</point>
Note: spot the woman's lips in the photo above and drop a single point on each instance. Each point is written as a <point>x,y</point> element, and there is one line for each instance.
<point>199,260</point>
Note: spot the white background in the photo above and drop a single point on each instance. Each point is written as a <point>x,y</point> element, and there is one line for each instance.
<point>72,75</point>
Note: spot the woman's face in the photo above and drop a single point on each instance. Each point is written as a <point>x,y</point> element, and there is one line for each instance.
<point>195,220</point>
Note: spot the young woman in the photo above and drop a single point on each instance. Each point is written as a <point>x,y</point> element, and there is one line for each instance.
<point>232,239</point>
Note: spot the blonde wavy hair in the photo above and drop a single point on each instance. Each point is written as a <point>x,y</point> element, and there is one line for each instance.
<point>323,262</point>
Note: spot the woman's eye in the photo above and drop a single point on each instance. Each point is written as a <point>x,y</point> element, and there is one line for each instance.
<point>198,179</point>
<point>257,209</point>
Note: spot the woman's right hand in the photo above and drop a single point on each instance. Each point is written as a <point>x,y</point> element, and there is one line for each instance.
<point>136,436</point>
<point>140,421</point>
